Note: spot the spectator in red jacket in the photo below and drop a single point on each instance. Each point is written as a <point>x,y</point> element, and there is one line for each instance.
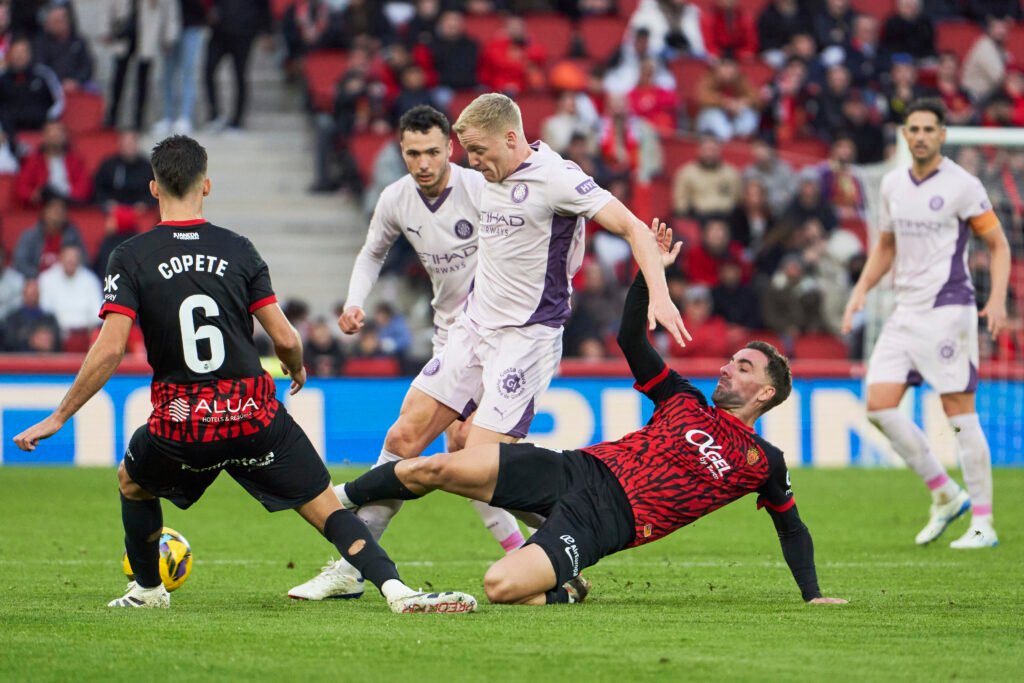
<point>728,30</point>
<point>53,168</point>
<point>512,63</point>
<point>651,102</point>
<point>716,247</point>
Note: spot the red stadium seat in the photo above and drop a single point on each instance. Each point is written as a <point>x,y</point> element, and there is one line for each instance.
<point>737,153</point>
<point>819,346</point>
<point>880,9</point>
<point>83,112</point>
<point>602,36</point>
<point>278,7</point>
<point>371,367</point>
<point>688,73</point>
<point>92,223</point>
<point>6,193</point>
<point>460,100</point>
<point>758,73</point>
<point>660,199</point>
<point>95,147</point>
<point>15,222</point>
<point>77,341</point>
<point>1015,44</point>
<point>627,7</point>
<point>364,149</point>
<point>956,36</point>
<point>322,70</point>
<point>483,27</point>
<point>553,31</point>
<point>677,152</point>
<point>767,336</point>
<point>803,151</point>
<point>535,108</point>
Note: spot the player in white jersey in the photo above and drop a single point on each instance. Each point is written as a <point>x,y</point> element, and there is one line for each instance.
<point>927,214</point>
<point>502,352</point>
<point>436,206</point>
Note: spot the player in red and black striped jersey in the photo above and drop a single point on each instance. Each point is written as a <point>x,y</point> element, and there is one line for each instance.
<point>194,288</point>
<point>689,460</point>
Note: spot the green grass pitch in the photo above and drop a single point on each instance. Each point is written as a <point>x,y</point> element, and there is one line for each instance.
<point>712,602</point>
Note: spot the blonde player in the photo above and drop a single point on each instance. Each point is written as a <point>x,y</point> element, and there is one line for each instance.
<point>436,206</point>
<point>504,348</point>
<point>928,212</point>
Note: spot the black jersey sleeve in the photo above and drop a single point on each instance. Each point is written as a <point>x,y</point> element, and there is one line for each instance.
<point>653,378</point>
<point>261,291</point>
<point>120,290</point>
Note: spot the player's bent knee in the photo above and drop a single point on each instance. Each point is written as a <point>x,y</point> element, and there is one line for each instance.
<point>432,472</point>
<point>129,489</point>
<point>404,440</point>
<point>500,587</point>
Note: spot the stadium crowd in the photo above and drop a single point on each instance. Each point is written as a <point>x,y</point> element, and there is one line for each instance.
<point>748,124</point>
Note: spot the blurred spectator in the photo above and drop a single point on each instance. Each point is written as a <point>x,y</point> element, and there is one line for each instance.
<point>651,102</point>
<point>596,307</point>
<point>322,350</point>
<point>368,342</point>
<point>909,30</point>
<point>830,275</point>
<point>702,261</point>
<point>455,57</point>
<point>791,303</point>
<point>833,25</point>
<point>579,152</point>
<point>8,161</point>
<point>123,178</point>
<point>6,34</point>
<point>727,102</point>
<point>180,71</point>
<point>959,107</point>
<point>390,65</point>
<point>297,312</point>
<point>840,186</point>
<point>979,10</point>
<point>709,331</point>
<point>784,117</point>
<point>414,92</point>
<point>624,67</point>
<point>826,108</point>
<point>364,18</point>
<point>11,284</point>
<point>774,175</point>
<point>235,25</point>
<point>628,144</point>
<point>733,300</point>
<point>305,26</point>
<point>591,350</point>
<point>672,26</point>
<point>864,57</point>
<point>121,225</point>
<point>558,129</point>
<point>39,246</point>
<point>728,31</point>
<point>861,123</point>
<point>54,169</point>
<point>30,93</point>
<point>752,218</point>
<point>28,327</point>
<point>780,20</point>
<point>511,62</point>
<point>903,88</point>
<point>425,25</point>
<point>985,64</point>
<point>63,50</point>
<point>1006,107</point>
<point>141,31</point>
<point>392,330</point>
<point>71,292</point>
<point>388,166</point>
<point>707,185</point>
<point>810,202</point>
<point>1006,187</point>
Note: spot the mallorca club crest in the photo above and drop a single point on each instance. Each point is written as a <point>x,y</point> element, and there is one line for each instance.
<point>463,229</point>
<point>511,383</point>
<point>520,192</point>
<point>936,202</point>
<point>431,368</point>
<point>753,455</point>
<point>947,350</point>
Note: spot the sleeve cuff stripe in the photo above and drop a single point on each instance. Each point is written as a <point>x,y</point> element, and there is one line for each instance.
<point>116,308</point>
<point>265,301</point>
<point>762,503</point>
<point>651,383</point>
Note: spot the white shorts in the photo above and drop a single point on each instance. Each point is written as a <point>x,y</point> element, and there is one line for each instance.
<point>497,373</point>
<point>439,340</point>
<point>938,345</point>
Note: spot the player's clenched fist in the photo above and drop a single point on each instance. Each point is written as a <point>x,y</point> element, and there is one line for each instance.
<point>351,320</point>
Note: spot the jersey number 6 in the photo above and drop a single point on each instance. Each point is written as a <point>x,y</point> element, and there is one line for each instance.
<point>192,335</point>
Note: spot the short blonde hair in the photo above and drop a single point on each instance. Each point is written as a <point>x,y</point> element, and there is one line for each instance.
<point>492,113</point>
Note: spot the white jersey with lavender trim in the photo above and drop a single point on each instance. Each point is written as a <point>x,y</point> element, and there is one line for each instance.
<point>443,232</point>
<point>929,219</point>
<point>531,241</point>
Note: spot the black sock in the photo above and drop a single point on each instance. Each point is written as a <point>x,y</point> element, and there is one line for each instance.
<point>380,483</point>
<point>556,596</point>
<point>143,521</point>
<point>355,543</point>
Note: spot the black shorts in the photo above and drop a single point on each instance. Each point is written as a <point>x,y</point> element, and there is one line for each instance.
<point>588,514</point>
<point>278,465</point>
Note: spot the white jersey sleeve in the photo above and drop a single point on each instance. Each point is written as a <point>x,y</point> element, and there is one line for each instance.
<point>384,230</point>
<point>884,213</point>
<point>572,192</point>
<point>974,200</point>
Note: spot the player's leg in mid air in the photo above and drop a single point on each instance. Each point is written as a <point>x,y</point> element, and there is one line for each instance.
<point>976,463</point>
<point>502,525</point>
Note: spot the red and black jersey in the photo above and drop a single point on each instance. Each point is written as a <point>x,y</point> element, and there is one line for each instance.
<point>193,288</point>
<point>689,460</point>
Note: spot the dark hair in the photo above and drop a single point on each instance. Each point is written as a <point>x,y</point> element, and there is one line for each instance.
<point>422,118</point>
<point>779,375</point>
<point>179,162</point>
<point>931,104</point>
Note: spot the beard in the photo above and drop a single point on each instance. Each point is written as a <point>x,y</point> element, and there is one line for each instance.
<point>725,398</point>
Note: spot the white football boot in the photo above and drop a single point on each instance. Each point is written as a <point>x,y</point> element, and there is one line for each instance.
<point>941,515</point>
<point>338,580</point>
<point>137,596</point>
<point>578,588</point>
<point>979,535</point>
<point>448,602</point>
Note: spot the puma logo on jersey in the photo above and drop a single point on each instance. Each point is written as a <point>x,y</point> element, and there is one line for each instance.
<point>415,231</point>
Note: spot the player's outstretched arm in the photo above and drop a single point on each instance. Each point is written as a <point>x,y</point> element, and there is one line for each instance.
<point>99,364</point>
<point>798,550</point>
<point>995,308</point>
<point>617,219</point>
<point>644,361</point>
<point>287,343</point>
<point>878,264</point>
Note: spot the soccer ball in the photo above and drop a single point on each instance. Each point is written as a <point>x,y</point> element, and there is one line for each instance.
<point>175,560</point>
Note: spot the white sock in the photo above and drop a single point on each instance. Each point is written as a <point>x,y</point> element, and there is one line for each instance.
<point>393,589</point>
<point>911,444</point>
<point>976,462</point>
<point>501,524</point>
<point>377,515</point>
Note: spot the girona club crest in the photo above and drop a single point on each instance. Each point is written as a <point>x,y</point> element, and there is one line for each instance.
<point>511,383</point>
